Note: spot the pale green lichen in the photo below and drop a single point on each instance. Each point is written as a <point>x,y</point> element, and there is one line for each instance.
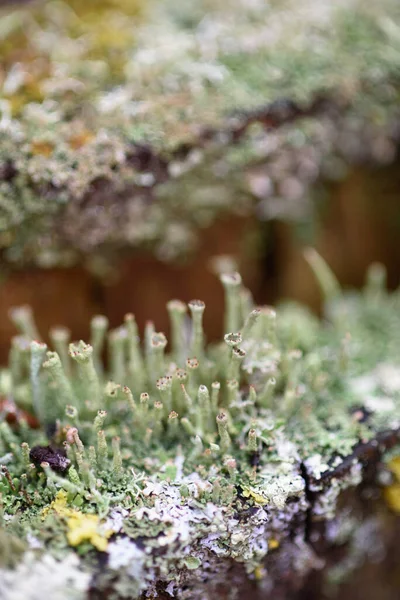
<point>96,125</point>
<point>188,469</point>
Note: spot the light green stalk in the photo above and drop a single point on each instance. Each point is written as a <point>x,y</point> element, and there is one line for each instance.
<point>231,466</point>
<point>60,338</point>
<point>246,303</point>
<point>25,450</point>
<point>173,424</point>
<point>149,331</point>
<point>144,400</point>
<point>222,425</point>
<point>265,328</point>
<point>215,389</point>
<point>237,357</point>
<point>197,447</point>
<point>187,401</point>
<point>158,419</point>
<point>197,341</point>
<point>131,402</point>
<point>38,351</point>
<point>92,458</point>
<point>327,280</point>
<point>19,358</point>
<point>99,420</point>
<point>71,412</point>
<point>98,329</point>
<point>117,340</point>
<point>23,320</point>
<point>177,312</point>
<point>78,442</point>
<point>232,340</point>
<point>192,367</point>
<point>188,427</point>
<point>8,435</point>
<point>73,476</point>
<point>117,458</point>
<point>264,398</point>
<point>158,343</point>
<point>136,370</point>
<point>64,392</point>
<point>232,388</point>
<point>102,449</point>
<point>251,320</point>
<point>82,354</point>
<point>252,395</point>
<point>252,441</point>
<point>164,386</point>
<point>232,284</point>
<point>179,378</point>
<point>204,414</point>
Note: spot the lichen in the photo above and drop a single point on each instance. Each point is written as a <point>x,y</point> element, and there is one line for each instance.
<point>137,134</point>
<point>180,465</point>
<point>392,491</point>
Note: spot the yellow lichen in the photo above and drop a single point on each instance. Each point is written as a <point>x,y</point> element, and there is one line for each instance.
<point>394,466</point>
<point>392,492</point>
<point>257,497</point>
<point>81,139</point>
<point>392,497</point>
<point>42,147</point>
<point>87,528</point>
<point>273,544</point>
<point>81,527</point>
<point>259,572</point>
<point>59,505</point>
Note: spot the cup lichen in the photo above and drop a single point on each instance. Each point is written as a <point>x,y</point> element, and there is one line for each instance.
<point>189,468</point>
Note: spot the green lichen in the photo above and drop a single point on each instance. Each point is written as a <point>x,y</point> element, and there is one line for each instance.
<point>93,127</point>
<point>198,461</point>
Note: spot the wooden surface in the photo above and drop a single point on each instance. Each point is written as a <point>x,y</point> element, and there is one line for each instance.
<point>142,285</point>
<point>361,225</point>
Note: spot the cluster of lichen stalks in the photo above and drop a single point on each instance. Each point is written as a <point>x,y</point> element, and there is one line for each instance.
<point>193,395</point>
<point>189,396</point>
<point>221,425</point>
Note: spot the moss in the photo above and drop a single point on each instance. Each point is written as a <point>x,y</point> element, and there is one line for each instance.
<point>187,469</point>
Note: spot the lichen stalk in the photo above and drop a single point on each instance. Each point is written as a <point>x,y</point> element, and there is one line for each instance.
<point>22,317</point>
<point>54,367</point>
<point>98,330</point>
<point>60,339</point>
<point>177,313</point>
<point>135,366</point>
<point>222,425</point>
<point>82,354</point>
<point>232,284</point>
<point>197,337</point>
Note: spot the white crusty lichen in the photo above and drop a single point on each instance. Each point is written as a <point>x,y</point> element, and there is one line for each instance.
<point>45,577</point>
